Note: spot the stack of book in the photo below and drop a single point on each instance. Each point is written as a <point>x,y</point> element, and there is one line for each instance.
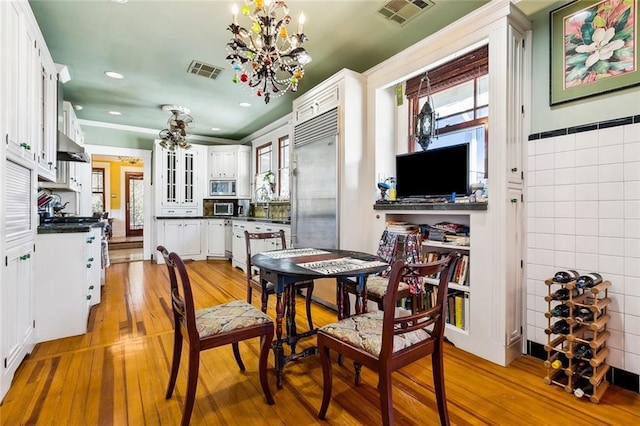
<point>403,228</point>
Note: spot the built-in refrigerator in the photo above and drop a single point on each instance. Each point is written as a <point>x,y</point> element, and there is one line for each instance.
<point>314,207</point>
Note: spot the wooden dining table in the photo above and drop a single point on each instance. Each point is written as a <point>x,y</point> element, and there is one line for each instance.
<point>283,268</point>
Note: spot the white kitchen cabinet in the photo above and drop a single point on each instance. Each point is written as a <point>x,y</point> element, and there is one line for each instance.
<point>216,237</point>
<point>183,236</point>
<point>20,81</point>
<point>63,299</point>
<point>223,162</point>
<point>238,245</point>
<point>321,101</point>
<point>230,162</point>
<point>243,178</point>
<point>177,177</point>
<point>48,119</point>
<point>16,305</point>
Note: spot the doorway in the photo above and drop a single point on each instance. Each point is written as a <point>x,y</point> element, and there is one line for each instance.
<point>134,202</point>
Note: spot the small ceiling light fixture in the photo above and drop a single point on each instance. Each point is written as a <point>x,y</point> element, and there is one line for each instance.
<point>266,57</point>
<point>215,129</point>
<point>78,107</point>
<point>119,1</point>
<point>115,113</point>
<point>114,75</point>
<point>244,104</point>
<point>130,160</point>
<point>175,135</point>
<point>426,118</point>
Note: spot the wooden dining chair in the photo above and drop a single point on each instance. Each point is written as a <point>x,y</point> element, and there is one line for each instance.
<point>211,327</point>
<point>385,343</point>
<point>391,247</point>
<point>254,281</point>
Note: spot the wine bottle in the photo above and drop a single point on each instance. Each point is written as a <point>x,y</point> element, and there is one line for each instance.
<point>560,362</point>
<point>559,327</point>
<point>561,310</point>
<point>583,387</point>
<point>589,280</point>
<point>563,294</point>
<point>565,276</point>
<point>583,351</point>
<point>583,315</point>
<point>583,369</point>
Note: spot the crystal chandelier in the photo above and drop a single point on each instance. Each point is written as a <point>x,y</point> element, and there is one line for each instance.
<point>266,57</point>
<point>175,135</point>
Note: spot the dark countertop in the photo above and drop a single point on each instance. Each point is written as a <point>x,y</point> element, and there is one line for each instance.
<point>429,206</point>
<point>67,228</point>
<point>245,218</point>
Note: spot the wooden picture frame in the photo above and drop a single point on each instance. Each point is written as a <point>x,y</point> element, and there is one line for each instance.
<point>593,49</point>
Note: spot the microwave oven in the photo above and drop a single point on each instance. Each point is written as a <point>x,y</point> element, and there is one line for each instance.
<point>224,188</point>
<point>223,209</point>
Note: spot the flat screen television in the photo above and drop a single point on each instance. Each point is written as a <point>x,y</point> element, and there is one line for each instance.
<point>433,173</point>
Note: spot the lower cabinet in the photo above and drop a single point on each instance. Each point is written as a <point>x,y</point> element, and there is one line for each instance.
<point>239,247</point>
<point>16,303</point>
<point>183,236</point>
<point>216,237</point>
<point>66,286</point>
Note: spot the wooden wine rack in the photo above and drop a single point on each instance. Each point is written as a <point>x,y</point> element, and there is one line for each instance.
<point>563,346</point>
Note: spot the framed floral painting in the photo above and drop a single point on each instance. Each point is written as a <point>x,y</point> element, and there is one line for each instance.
<point>594,48</point>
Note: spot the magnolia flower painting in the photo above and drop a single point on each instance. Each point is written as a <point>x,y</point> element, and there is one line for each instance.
<point>600,42</point>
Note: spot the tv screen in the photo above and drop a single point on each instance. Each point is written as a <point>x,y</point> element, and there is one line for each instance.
<point>433,173</point>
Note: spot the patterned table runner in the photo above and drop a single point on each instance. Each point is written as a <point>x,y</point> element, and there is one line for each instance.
<point>283,254</point>
<point>344,264</point>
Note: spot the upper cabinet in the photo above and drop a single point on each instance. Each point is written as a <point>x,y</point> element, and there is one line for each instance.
<point>230,162</point>
<point>320,102</point>
<point>47,114</point>
<point>28,87</point>
<point>177,176</point>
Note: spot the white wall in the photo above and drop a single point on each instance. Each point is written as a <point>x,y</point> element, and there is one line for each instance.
<point>583,213</point>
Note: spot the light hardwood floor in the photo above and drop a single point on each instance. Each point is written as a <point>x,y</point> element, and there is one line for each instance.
<point>117,373</point>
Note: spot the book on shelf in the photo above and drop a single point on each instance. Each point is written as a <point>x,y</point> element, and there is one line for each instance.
<point>399,227</point>
<point>458,303</point>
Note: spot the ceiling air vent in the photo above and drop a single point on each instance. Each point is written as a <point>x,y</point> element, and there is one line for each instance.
<point>204,70</point>
<point>402,11</point>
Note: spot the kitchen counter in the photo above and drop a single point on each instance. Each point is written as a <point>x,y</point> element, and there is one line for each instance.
<point>245,218</point>
<point>65,228</point>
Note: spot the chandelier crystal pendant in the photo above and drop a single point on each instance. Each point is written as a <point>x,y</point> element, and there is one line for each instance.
<point>175,135</point>
<point>266,57</point>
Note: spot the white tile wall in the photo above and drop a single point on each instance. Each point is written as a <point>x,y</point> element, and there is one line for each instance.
<point>583,206</point>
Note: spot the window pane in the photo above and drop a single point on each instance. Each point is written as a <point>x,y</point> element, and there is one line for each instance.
<point>474,136</point>
<point>96,203</point>
<point>453,100</point>
<point>483,90</point>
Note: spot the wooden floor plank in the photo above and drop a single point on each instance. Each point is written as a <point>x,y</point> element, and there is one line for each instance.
<point>117,373</point>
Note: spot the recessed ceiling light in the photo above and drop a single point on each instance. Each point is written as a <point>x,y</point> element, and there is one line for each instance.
<point>215,129</point>
<point>115,113</point>
<point>119,1</point>
<point>113,74</point>
<point>78,107</point>
<point>245,104</point>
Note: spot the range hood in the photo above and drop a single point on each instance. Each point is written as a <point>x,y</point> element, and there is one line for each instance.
<point>69,150</point>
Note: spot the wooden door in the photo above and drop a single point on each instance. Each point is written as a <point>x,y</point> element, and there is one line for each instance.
<point>134,190</point>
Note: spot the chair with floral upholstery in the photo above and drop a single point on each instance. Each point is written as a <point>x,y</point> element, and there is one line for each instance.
<point>209,328</point>
<point>391,247</point>
<point>384,343</point>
